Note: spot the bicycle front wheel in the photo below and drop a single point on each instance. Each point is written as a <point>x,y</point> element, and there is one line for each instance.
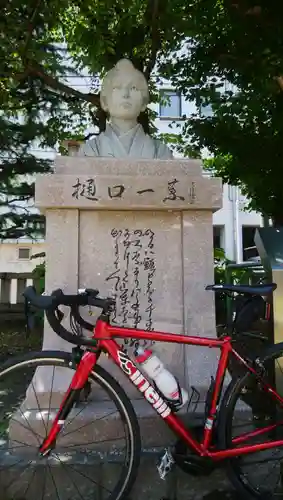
<point>246,408</point>
<point>97,452</point>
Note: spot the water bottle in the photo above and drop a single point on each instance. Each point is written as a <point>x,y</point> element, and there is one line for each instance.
<point>165,382</point>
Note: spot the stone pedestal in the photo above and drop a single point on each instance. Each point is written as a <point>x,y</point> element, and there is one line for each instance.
<point>142,231</point>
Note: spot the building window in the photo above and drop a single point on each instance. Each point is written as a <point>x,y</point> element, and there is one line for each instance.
<point>24,254</point>
<point>170,105</point>
<point>249,248</point>
<point>205,110</point>
<point>218,237</point>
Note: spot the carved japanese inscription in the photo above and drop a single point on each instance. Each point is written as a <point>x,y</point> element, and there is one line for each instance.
<point>133,276</point>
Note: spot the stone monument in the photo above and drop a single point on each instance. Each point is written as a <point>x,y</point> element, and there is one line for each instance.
<point>128,219</point>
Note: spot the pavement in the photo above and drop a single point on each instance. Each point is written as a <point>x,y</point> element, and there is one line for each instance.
<point>180,486</point>
<point>220,494</point>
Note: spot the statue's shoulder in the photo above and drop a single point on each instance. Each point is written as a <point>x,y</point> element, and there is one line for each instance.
<point>89,148</point>
<point>162,150</point>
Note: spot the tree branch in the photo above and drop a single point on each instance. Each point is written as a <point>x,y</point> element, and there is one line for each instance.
<point>155,37</point>
<point>35,69</point>
<point>94,118</point>
<point>50,81</point>
<point>38,71</point>
<point>31,25</point>
<point>279,80</point>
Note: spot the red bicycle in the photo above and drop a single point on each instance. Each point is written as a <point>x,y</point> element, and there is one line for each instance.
<point>252,451</point>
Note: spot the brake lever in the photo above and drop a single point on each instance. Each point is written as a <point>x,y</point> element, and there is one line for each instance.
<point>60,315</point>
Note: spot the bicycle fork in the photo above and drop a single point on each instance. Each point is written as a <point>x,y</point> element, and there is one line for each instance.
<point>78,382</point>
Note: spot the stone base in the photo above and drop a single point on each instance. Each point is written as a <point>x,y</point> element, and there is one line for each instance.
<point>97,423</point>
<point>151,247</point>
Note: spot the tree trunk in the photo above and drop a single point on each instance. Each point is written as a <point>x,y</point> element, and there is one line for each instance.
<point>277,220</point>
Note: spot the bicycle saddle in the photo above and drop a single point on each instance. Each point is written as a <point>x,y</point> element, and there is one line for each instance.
<point>263,290</point>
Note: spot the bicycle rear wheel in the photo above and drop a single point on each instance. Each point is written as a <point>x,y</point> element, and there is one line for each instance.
<point>96,454</point>
<point>257,475</point>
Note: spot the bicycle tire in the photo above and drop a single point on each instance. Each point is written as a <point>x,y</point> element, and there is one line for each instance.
<point>230,398</point>
<point>105,380</point>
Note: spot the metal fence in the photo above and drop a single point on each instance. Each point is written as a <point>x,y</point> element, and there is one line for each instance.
<point>12,286</point>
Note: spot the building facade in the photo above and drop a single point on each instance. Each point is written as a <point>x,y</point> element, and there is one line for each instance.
<point>233,226</point>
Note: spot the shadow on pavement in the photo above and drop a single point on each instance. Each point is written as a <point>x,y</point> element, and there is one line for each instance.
<point>220,494</point>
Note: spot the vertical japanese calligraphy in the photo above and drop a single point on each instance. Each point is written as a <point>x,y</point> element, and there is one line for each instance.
<point>192,193</point>
<point>132,276</point>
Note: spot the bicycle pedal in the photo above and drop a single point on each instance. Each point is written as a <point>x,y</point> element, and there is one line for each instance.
<point>165,464</point>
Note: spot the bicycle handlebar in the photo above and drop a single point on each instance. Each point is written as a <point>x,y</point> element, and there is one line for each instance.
<point>40,301</point>
<point>88,296</point>
<point>81,321</point>
<point>50,304</point>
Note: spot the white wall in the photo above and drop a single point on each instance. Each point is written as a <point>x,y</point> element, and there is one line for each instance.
<point>232,217</point>
<point>9,257</point>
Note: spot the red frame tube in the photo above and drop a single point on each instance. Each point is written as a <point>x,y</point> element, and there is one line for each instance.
<point>104,335</point>
<point>79,380</point>
<point>103,330</point>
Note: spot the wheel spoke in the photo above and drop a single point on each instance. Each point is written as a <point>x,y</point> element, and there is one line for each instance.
<point>39,408</point>
<point>25,472</point>
<point>26,490</point>
<point>87,477</point>
<point>88,423</point>
<point>259,473</point>
<point>17,441</point>
<point>18,475</point>
<point>72,419</point>
<point>44,484</point>
<point>50,398</point>
<point>69,475</point>
<point>110,440</point>
<point>53,481</point>
<point>38,437</point>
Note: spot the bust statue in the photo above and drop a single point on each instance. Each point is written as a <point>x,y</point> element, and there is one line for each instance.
<point>124,95</point>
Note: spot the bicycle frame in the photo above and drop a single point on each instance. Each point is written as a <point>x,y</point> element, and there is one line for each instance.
<point>104,335</point>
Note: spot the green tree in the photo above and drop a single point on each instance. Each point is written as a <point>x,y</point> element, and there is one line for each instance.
<point>38,106</point>
<point>33,114</point>
<point>239,43</point>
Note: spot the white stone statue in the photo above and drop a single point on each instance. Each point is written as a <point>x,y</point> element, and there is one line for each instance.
<point>124,95</point>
